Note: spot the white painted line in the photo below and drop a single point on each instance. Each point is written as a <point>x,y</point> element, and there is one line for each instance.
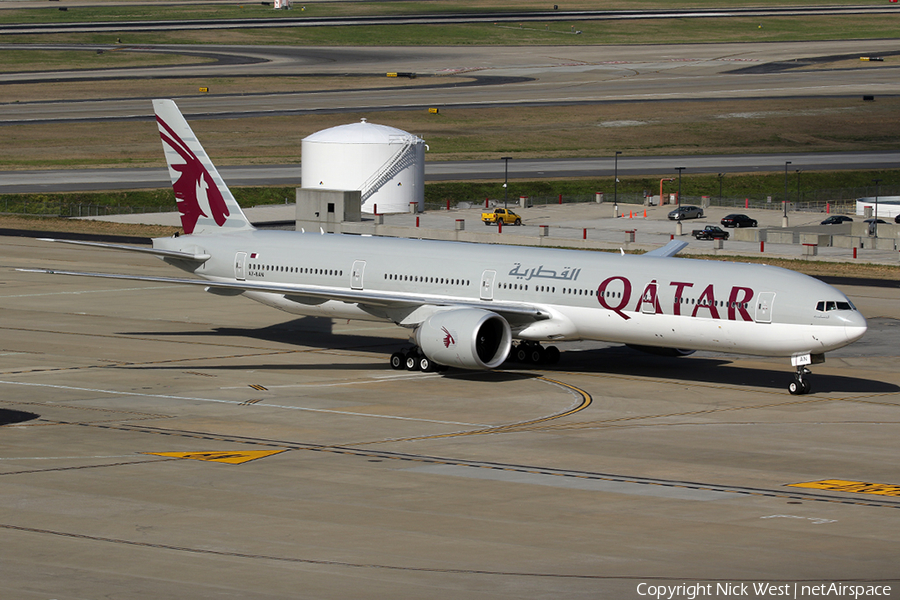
<point>233,402</point>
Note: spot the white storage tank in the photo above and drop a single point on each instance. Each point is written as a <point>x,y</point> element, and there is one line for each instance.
<point>386,164</point>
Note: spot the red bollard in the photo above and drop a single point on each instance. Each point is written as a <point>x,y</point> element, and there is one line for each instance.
<point>762,246</point>
<point>854,253</point>
<point>584,234</point>
<point>560,198</point>
<point>417,221</point>
<point>485,202</point>
<point>671,236</point>
<point>827,208</point>
<point>448,203</point>
<point>500,226</point>
<point>746,202</point>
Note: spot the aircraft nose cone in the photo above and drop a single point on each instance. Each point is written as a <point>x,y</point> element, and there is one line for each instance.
<point>856,327</point>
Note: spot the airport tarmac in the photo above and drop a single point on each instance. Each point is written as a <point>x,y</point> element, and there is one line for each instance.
<point>192,446</point>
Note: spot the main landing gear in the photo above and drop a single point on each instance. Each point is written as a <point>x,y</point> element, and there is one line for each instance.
<point>800,385</point>
<point>533,352</point>
<point>413,359</point>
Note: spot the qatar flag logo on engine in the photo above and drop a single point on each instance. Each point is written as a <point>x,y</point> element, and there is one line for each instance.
<point>196,192</point>
<point>448,338</point>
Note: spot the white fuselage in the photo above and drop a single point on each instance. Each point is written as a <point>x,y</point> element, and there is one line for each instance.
<point>641,300</point>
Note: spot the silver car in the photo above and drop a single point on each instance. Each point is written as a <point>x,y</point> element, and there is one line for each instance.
<point>686,212</point>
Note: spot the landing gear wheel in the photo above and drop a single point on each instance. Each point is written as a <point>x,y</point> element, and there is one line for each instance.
<point>521,353</point>
<point>412,362</point>
<point>398,361</point>
<point>551,355</point>
<point>536,355</point>
<point>800,385</point>
<point>425,364</point>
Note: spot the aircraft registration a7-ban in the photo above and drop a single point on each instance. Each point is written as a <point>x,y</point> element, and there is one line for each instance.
<point>465,303</point>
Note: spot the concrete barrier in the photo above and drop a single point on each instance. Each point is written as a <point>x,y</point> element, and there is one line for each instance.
<point>885,243</point>
<point>782,236</point>
<point>750,234</point>
<point>846,241</point>
<point>816,239</point>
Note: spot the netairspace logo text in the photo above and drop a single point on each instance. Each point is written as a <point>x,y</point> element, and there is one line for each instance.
<point>693,591</point>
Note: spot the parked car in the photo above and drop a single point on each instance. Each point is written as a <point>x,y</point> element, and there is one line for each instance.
<point>686,212</point>
<point>501,215</point>
<point>837,220</point>
<point>897,219</point>
<point>872,222</point>
<point>710,232</point>
<point>737,220</point>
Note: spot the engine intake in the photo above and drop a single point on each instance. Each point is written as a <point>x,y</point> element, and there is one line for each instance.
<point>470,338</point>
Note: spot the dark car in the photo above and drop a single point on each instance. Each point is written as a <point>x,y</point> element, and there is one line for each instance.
<point>872,223</point>
<point>738,220</point>
<point>837,220</point>
<point>897,219</point>
<point>710,232</point>
<point>686,212</point>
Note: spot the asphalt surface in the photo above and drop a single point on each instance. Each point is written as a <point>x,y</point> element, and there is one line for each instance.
<point>364,482</point>
<point>612,470</point>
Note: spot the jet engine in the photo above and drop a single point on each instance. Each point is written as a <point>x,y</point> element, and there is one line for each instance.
<point>469,338</point>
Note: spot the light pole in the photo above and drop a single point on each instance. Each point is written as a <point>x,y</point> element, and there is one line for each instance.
<point>721,176</point>
<point>616,180</point>
<point>784,217</point>
<point>505,160</point>
<point>877,189</point>
<point>678,199</point>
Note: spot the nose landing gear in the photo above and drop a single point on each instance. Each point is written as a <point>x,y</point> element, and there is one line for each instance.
<point>800,385</point>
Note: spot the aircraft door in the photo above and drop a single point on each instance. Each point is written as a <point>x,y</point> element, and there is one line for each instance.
<point>356,274</point>
<point>487,285</point>
<point>764,307</point>
<point>648,300</point>
<point>240,266</point>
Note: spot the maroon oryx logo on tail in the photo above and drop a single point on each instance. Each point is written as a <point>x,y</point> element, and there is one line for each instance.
<point>448,338</point>
<point>196,192</point>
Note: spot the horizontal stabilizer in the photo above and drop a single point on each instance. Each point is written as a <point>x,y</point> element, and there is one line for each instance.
<point>670,249</point>
<point>153,251</point>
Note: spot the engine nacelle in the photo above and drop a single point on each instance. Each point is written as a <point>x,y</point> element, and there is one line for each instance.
<point>470,338</point>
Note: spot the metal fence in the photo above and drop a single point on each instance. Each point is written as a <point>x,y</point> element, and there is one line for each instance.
<point>832,201</point>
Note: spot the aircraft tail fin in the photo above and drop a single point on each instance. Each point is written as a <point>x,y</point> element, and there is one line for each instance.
<point>204,201</point>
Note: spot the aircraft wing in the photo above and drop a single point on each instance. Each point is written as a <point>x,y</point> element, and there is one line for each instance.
<point>308,294</point>
<point>670,249</point>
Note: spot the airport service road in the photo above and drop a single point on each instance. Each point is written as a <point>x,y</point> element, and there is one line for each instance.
<point>193,446</point>
<point>508,77</point>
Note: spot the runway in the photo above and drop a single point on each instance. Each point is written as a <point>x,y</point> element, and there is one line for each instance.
<point>513,76</point>
<point>70,180</point>
<point>188,445</point>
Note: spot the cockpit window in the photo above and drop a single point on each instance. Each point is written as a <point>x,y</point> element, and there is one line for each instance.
<point>826,306</point>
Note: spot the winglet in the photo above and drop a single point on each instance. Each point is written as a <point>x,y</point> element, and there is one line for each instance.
<point>670,249</point>
<point>204,201</point>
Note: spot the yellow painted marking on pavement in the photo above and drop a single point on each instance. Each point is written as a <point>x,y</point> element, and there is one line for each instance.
<point>259,388</point>
<point>231,458</point>
<point>586,400</point>
<point>857,487</point>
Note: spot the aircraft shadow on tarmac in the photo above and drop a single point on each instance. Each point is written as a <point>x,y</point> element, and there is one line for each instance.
<point>622,360</point>
<point>318,333</point>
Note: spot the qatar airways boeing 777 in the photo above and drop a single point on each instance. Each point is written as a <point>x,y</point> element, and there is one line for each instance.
<point>466,303</point>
